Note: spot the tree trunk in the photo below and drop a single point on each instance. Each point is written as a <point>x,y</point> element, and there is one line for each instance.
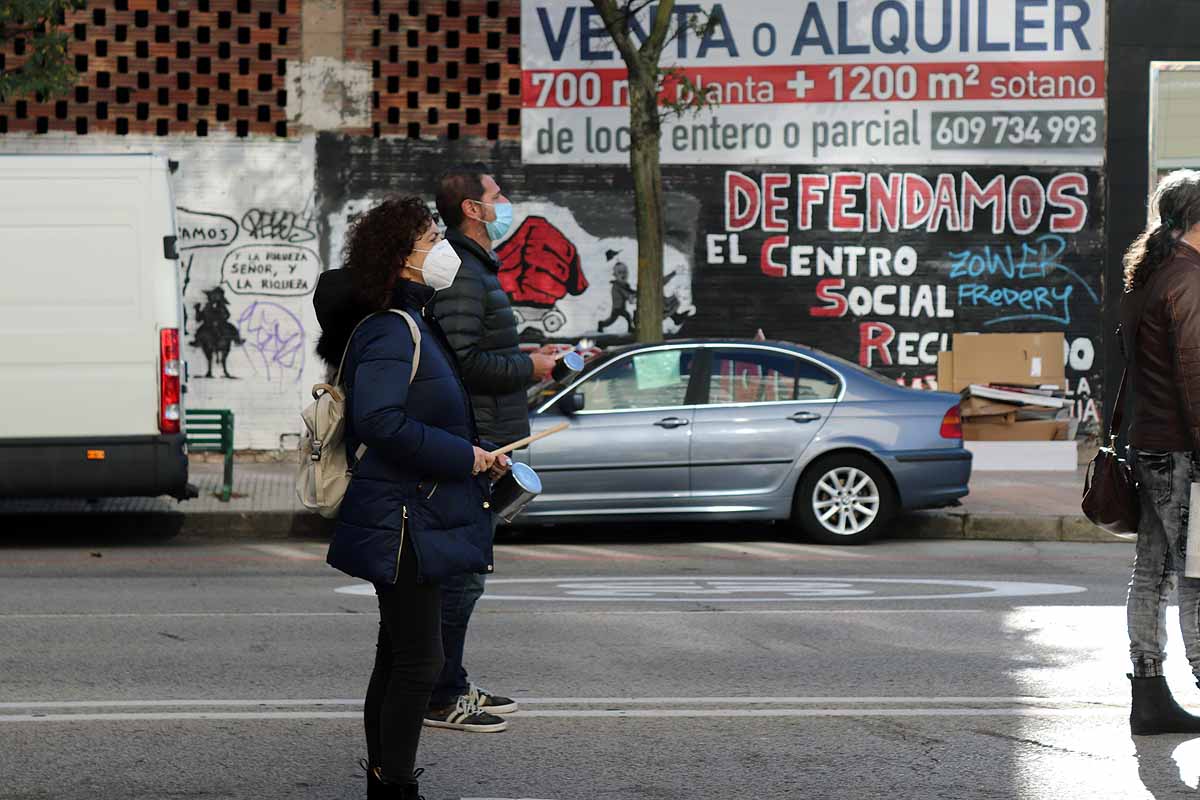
<point>646,130</point>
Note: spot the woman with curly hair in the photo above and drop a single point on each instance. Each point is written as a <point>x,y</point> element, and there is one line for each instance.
<point>417,509</point>
<point>1160,335</point>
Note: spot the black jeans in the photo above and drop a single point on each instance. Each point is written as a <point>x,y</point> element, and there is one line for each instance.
<point>459,595</point>
<point>408,659</point>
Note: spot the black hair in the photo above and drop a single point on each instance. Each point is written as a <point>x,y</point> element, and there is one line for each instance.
<point>462,182</point>
<point>1176,203</point>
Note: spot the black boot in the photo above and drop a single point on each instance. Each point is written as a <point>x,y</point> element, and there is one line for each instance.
<point>409,790</point>
<point>1155,711</point>
<point>375,787</point>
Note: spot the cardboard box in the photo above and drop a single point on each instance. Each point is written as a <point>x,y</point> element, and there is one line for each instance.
<point>980,407</point>
<point>991,419</point>
<point>1019,359</point>
<point>1039,431</point>
<point>945,376</point>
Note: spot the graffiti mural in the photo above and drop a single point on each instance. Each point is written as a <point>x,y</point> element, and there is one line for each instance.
<point>884,266</point>
<point>215,334</point>
<point>258,257</point>
<point>879,265</point>
<point>273,339</point>
<point>567,282</point>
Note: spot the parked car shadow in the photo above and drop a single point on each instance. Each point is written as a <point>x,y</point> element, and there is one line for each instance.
<point>646,532</point>
<point>77,529</point>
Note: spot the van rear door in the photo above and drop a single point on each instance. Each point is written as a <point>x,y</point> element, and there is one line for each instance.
<point>88,288</point>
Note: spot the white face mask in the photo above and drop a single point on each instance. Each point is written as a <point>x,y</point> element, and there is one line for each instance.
<point>440,267</point>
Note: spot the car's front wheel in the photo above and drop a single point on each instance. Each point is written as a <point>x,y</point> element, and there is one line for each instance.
<point>844,499</point>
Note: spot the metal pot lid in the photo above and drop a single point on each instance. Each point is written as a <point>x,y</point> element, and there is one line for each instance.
<point>526,478</point>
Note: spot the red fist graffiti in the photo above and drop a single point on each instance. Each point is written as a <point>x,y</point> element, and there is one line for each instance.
<point>539,265</point>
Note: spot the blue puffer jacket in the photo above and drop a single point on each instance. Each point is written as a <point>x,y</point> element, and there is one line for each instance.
<point>413,487</point>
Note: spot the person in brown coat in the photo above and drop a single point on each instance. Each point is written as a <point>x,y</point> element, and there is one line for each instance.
<point>1160,335</point>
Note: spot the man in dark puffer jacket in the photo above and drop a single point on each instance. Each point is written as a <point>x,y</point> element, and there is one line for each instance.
<point>478,319</point>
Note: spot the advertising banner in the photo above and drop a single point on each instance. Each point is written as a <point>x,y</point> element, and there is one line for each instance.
<point>830,82</point>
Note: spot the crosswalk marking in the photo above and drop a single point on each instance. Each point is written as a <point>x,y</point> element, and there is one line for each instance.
<point>576,552</point>
<point>828,551</point>
<point>744,549</point>
<point>605,552</point>
<point>534,552</point>
<point>284,551</point>
<point>768,550</point>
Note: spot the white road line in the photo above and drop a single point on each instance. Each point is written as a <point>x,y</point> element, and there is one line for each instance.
<point>496,610</point>
<point>180,715</point>
<point>175,703</point>
<point>743,549</point>
<point>575,713</point>
<point>826,551</point>
<point>533,552</point>
<point>28,705</point>
<point>791,701</point>
<point>605,552</point>
<point>283,551</point>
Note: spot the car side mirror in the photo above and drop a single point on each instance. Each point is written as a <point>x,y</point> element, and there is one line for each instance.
<point>572,403</point>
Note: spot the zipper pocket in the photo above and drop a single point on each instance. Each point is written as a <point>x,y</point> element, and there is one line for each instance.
<point>431,491</point>
<point>400,549</point>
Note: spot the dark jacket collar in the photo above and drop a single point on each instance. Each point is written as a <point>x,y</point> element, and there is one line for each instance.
<point>410,294</point>
<point>1187,252</point>
<point>461,242</point>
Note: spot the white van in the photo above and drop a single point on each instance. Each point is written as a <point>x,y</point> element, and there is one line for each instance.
<point>90,317</point>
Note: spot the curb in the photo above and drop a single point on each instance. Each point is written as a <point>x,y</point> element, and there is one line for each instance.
<point>159,524</point>
<point>283,525</point>
<point>1001,527</point>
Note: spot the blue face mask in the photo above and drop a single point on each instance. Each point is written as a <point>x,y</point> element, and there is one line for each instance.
<point>499,226</point>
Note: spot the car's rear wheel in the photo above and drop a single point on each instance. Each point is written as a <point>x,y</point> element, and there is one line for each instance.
<point>844,499</point>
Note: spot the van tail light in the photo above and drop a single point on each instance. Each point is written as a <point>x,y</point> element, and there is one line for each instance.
<point>169,371</point>
<point>952,424</point>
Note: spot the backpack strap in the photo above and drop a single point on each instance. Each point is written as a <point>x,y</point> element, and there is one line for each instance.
<point>415,330</point>
<point>416,337</point>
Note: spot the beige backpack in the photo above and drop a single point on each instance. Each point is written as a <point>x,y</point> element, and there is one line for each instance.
<point>325,471</point>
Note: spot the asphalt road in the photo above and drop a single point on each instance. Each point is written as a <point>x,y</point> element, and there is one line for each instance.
<point>699,663</point>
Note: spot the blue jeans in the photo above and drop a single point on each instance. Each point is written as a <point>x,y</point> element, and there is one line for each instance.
<point>459,595</point>
<point>1164,489</point>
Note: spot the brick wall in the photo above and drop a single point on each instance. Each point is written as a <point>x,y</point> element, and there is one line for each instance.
<point>160,67</point>
<point>447,69</point>
<point>193,67</point>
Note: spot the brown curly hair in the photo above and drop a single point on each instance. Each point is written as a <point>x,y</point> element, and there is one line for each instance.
<point>378,244</point>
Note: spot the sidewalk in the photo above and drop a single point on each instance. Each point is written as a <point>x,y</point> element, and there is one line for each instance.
<point>1024,506</point>
<point>1029,506</point>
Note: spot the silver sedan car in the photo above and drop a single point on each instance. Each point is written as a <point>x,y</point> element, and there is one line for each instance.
<point>744,430</point>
